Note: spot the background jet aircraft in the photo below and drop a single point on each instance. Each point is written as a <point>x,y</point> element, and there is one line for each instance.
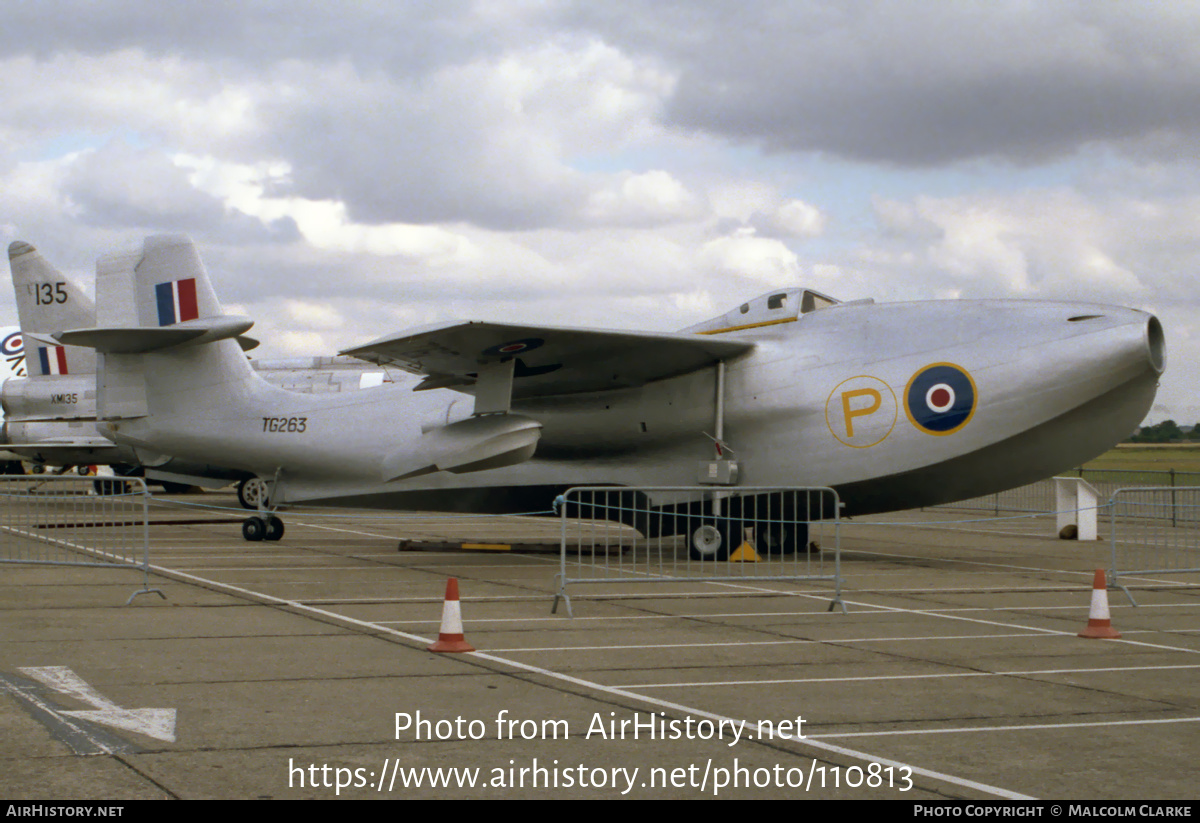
<point>51,415</point>
<point>12,348</point>
<point>895,405</point>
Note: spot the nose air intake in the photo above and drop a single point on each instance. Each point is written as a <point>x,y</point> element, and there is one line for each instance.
<point>1152,344</point>
<point>1156,345</point>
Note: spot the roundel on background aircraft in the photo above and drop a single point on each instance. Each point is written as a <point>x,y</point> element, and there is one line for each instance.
<point>940,398</point>
<point>13,348</point>
<point>13,344</point>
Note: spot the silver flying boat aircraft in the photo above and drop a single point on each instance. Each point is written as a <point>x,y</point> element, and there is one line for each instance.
<point>893,405</point>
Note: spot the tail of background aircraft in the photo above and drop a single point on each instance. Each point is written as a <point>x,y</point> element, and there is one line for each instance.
<point>13,365</point>
<point>48,302</point>
<point>54,408</point>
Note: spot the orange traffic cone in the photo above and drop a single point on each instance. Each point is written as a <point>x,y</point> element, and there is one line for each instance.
<point>1099,625</point>
<point>450,638</point>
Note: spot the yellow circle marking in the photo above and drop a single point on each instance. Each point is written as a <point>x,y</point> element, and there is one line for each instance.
<point>861,403</point>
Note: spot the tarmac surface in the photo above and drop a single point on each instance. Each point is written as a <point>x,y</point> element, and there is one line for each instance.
<point>299,669</point>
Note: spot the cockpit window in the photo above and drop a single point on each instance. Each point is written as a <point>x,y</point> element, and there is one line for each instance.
<point>776,301</point>
<point>813,301</point>
<point>745,307</point>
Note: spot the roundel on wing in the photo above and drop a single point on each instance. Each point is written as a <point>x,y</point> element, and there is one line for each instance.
<point>940,398</point>
<point>13,344</point>
<point>514,347</point>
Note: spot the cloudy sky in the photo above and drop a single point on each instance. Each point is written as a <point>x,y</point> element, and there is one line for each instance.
<point>352,169</point>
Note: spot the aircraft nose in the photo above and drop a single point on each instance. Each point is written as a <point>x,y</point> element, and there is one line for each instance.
<point>1133,339</point>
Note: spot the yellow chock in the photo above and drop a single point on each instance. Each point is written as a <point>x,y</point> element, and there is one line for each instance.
<point>744,553</point>
<point>488,547</point>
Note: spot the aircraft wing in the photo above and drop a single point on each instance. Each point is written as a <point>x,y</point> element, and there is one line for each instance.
<point>546,360</point>
<point>63,443</point>
<point>67,450</point>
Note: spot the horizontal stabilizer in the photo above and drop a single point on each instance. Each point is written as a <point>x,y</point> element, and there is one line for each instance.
<point>46,339</point>
<point>140,339</point>
<point>548,360</point>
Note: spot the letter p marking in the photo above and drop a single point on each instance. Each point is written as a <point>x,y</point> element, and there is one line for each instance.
<point>851,411</point>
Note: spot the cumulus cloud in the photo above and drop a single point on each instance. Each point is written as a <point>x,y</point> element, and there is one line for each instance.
<point>923,85</point>
<point>793,218</point>
<point>643,199</point>
<point>762,261</point>
<point>120,185</point>
<point>1048,243</point>
<point>489,141</point>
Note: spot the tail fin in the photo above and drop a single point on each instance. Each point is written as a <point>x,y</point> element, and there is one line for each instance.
<point>154,299</point>
<point>159,301</point>
<point>49,302</point>
<point>170,284</point>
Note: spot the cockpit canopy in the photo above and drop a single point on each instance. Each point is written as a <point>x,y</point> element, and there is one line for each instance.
<point>773,307</point>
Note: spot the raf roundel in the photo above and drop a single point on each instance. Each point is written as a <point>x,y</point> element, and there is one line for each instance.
<point>13,344</point>
<point>514,347</point>
<point>940,398</point>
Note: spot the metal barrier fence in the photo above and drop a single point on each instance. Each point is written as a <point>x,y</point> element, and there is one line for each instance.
<point>1155,530</point>
<point>1039,498</point>
<point>699,534</point>
<point>1119,478</point>
<point>76,521</point>
<point>1036,498</point>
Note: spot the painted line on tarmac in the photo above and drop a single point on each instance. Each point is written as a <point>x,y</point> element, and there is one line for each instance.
<point>1050,589</point>
<point>788,642</point>
<point>1039,629</point>
<point>349,531</point>
<point>1028,727</point>
<point>81,737</point>
<point>1082,608</point>
<point>936,676</point>
<point>548,598</point>
<point>348,567</point>
<point>1000,567</point>
<point>406,527</point>
<point>681,616</point>
<point>998,623</point>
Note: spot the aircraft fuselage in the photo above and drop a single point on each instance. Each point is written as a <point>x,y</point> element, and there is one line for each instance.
<point>895,405</point>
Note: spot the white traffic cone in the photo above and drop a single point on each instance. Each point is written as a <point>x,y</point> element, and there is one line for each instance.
<point>1099,625</point>
<point>450,638</point>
